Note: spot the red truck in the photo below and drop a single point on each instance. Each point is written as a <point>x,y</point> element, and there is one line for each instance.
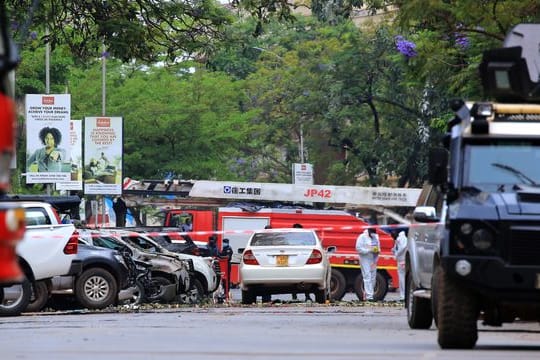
<point>11,215</point>
<point>337,229</point>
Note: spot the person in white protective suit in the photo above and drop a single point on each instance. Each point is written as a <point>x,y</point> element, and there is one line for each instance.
<point>399,248</point>
<point>368,247</point>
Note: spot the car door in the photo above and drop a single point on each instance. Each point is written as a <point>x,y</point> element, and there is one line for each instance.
<point>427,242</point>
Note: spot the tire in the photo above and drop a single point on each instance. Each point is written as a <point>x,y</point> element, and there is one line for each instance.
<point>16,304</point>
<point>435,280</point>
<point>40,296</point>
<point>419,314</point>
<point>248,297</point>
<point>195,295</point>
<point>96,288</point>
<point>321,296</point>
<point>157,294</point>
<point>380,290</point>
<point>338,285</point>
<point>138,296</point>
<point>457,310</point>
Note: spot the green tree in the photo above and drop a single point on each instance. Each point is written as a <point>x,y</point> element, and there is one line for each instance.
<point>144,29</point>
<point>176,122</point>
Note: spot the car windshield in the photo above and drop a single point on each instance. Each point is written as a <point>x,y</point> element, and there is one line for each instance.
<point>283,239</point>
<point>107,242</point>
<point>143,243</point>
<point>502,163</point>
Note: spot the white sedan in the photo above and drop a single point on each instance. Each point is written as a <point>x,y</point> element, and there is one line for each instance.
<point>281,261</point>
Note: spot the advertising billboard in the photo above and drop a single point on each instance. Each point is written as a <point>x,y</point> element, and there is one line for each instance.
<point>75,137</point>
<point>103,146</point>
<point>47,138</point>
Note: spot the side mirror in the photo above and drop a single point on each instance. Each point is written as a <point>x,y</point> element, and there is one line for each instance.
<point>241,250</point>
<point>331,249</point>
<point>437,166</point>
<point>425,214</point>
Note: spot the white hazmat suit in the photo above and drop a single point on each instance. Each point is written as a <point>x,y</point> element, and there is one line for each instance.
<point>368,247</point>
<point>399,252</point>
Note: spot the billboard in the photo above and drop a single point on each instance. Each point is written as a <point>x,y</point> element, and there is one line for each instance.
<point>302,174</point>
<point>47,138</point>
<point>103,146</point>
<point>75,137</point>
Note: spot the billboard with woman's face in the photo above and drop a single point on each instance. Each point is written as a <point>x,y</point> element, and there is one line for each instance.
<point>47,138</point>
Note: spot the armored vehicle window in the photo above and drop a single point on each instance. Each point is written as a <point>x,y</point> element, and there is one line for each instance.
<point>501,164</point>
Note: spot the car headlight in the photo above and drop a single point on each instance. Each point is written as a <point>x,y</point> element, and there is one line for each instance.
<point>466,228</point>
<point>474,237</point>
<point>482,239</point>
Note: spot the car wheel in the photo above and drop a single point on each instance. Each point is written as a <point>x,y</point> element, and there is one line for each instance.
<point>248,297</point>
<point>322,295</point>
<point>338,285</point>
<point>96,288</point>
<point>157,293</point>
<point>196,293</point>
<point>379,291</point>
<point>40,296</point>
<point>16,298</point>
<point>419,314</point>
<point>435,279</point>
<point>137,296</point>
<point>457,310</point>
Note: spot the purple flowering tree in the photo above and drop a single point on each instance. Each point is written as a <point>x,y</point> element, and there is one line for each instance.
<point>406,47</point>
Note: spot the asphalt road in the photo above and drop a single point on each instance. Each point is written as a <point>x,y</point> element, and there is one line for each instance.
<point>282,330</point>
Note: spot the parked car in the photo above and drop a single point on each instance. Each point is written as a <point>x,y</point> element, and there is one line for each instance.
<point>278,261</point>
<point>166,269</point>
<point>180,243</point>
<point>205,280</point>
<point>104,274</point>
<point>47,250</point>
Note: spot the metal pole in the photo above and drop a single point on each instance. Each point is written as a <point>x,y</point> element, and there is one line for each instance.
<point>103,77</point>
<point>103,98</point>
<point>48,80</point>
<point>47,63</point>
<point>302,143</point>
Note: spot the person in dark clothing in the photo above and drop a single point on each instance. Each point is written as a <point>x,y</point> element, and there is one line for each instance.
<point>212,246</point>
<point>294,295</point>
<point>120,210</point>
<point>227,252</point>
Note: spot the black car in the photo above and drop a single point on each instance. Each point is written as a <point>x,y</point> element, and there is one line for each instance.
<point>103,275</point>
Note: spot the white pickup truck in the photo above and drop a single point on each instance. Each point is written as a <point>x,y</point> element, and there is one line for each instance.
<point>48,249</point>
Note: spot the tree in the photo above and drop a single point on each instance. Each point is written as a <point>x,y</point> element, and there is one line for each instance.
<point>136,29</point>
<point>177,122</point>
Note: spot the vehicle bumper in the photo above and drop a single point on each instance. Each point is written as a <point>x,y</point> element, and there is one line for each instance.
<point>493,277</point>
<point>75,268</point>
<point>286,276</point>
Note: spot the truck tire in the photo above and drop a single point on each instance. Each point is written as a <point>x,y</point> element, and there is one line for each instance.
<point>380,290</point>
<point>40,296</point>
<point>16,299</point>
<point>457,310</point>
<point>419,314</point>
<point>248,297</point>
<point>435,280</point>
<point>338,285</point>
<point>96,288</point>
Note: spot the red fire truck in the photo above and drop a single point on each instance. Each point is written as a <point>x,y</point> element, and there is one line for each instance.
<point>11,216</point>
<point>338,229</point>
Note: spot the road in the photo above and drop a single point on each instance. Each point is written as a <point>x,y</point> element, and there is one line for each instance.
<point>289,330</point>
